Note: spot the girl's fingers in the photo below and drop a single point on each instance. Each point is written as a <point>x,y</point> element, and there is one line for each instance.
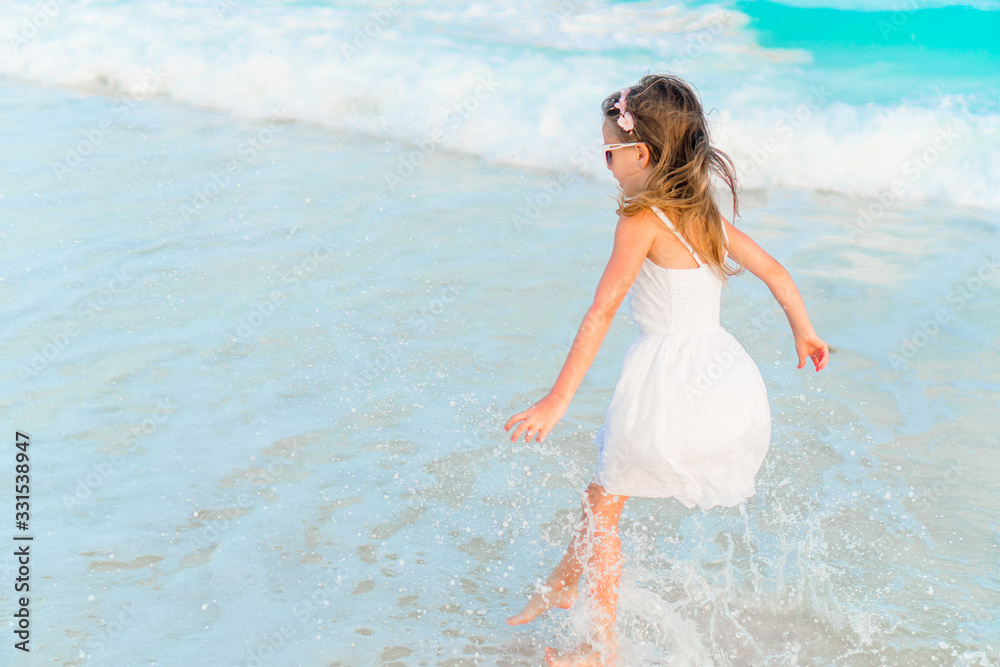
<point>513,420</point>
<point>524,429</point>
<point>528,427</point>
<point>820,357</point>
<point>531,430</point>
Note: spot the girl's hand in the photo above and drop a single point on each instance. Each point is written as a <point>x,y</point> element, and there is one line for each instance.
<point>539,419</point>
<point>811,345</point>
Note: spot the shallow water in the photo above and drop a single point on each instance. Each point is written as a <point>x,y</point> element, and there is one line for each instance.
<point>267,430</point>
<point>264,339</point>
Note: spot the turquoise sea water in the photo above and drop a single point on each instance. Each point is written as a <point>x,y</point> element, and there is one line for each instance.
<point>272,289</point>
<point>883,56</point>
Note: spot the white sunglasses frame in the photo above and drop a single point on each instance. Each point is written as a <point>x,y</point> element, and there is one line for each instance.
<point>610,147</point>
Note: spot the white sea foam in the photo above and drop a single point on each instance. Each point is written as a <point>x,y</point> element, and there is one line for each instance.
<point>516,83</point>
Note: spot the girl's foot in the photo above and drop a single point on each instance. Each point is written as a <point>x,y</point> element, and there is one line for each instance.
<point>583,655</point>
<point>543,601</point>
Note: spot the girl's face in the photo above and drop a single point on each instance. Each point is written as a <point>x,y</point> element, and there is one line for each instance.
<point>629,165</point>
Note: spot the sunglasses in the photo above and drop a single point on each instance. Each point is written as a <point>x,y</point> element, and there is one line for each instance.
<point>610,147</point>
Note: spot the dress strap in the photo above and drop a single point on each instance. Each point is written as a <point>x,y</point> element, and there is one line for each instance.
<point>670,226</point>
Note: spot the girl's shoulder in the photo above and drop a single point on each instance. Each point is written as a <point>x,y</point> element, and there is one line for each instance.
<point>644,225</point>
<point>656,220</point>
<point>646,217</point>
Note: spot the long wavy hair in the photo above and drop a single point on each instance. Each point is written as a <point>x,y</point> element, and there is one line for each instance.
<point>669,119</point>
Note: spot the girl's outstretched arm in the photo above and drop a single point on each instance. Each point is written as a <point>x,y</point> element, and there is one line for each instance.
<point>633,238</point>
<point>745,251</point>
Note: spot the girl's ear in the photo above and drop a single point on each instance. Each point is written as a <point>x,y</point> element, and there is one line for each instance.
<point>643,154</point>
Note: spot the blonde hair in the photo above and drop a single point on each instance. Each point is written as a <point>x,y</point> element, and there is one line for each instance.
<point>669,119</point>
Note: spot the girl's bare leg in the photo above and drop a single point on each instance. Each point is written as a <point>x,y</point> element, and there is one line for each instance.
<point>605,561</point>
<point>560,589</point>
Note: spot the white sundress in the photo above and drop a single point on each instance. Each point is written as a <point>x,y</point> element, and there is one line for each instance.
<point>689,418</point>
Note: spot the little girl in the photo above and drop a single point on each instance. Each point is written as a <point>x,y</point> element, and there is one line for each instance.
<point>689,418</point>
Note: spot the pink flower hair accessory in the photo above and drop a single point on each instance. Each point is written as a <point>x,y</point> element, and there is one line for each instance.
<point>626,120</point>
